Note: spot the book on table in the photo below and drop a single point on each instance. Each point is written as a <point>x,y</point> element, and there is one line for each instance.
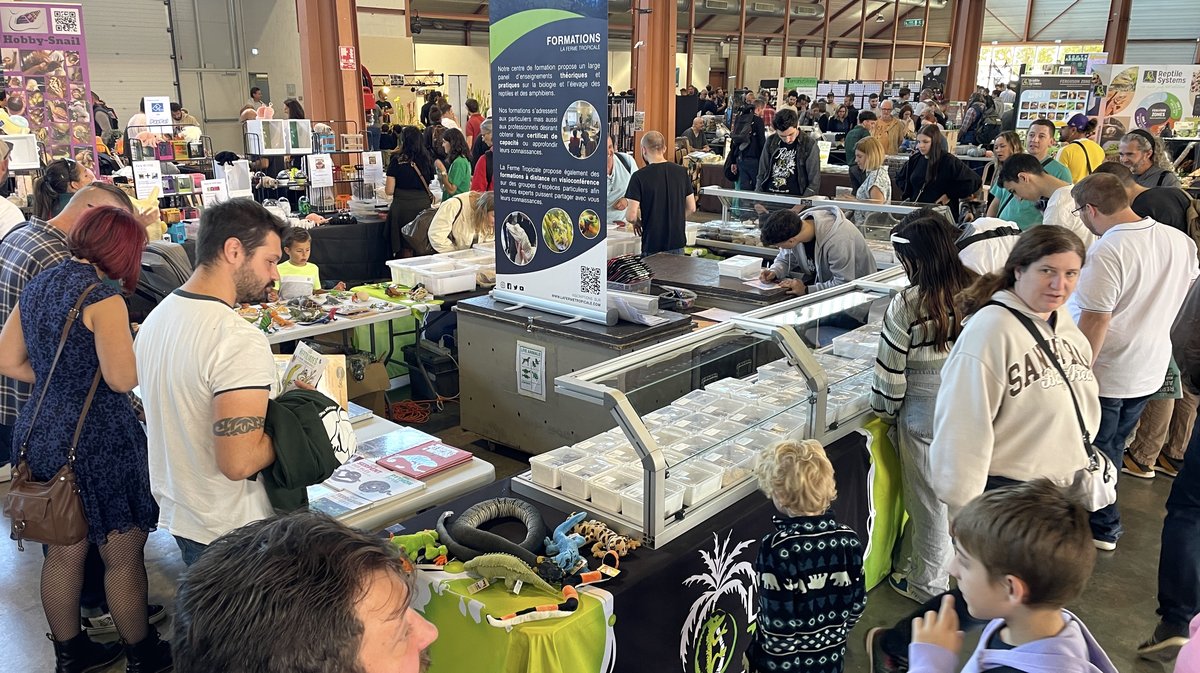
<point>337,503</point>
<point>371,482</point>
<point>425,460</point>
<point>395,441</point>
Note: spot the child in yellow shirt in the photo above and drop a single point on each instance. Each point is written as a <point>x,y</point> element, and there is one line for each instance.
<point>298,246</point>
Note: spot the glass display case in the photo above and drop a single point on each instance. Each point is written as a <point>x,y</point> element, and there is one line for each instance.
<point>738,229</point>
<point>692,413</point>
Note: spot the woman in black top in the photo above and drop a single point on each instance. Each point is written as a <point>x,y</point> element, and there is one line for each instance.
<point>408,176</point>
<point>840,121</point>
<point>433,135</point>
<point>932,175</point>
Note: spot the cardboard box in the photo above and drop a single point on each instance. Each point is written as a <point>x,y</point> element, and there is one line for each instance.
<point>371,392</point>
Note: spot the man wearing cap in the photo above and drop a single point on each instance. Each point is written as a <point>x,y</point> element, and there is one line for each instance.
<point>10,214</point>
<point>1081,155</point>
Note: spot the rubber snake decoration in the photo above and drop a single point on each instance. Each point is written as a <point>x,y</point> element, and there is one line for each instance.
<point>465,540</point>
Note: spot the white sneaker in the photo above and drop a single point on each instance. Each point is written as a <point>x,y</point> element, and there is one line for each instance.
<point>5,472</point>
<point>1104,545</point>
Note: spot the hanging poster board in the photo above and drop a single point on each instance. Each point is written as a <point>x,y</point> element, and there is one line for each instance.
<point>550,86</point>
<point>1150,97</point>
<point>801,85</point>
<point>46,76</point>
<point>1056,98</point>
<point>1077,63</point>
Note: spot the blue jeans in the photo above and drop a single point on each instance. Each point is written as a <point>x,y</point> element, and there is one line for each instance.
<point>1179,560</point>
<point>1118,418</point>
<point>189,550</point>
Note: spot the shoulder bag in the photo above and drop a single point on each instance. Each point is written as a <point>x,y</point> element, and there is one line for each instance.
<point>50,512</point>
<point>416,233</point>
<point>1096,484</point>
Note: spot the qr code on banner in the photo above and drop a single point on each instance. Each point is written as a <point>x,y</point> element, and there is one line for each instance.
<point>66,21</point>
<point>589,279</point>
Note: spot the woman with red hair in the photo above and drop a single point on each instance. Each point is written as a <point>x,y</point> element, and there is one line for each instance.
<point>97,364</point>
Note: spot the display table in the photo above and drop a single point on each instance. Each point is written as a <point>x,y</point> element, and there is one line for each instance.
<point>352,253</point>
<point>439,488</point>
<point>713,290</point>
<point>487,343</point>
<point>339,324</point>
<point>666,601</point>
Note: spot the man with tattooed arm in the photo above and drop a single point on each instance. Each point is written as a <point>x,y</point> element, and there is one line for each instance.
<point>206,375</point>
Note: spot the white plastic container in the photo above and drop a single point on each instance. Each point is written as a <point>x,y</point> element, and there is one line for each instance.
<point>468,256</point>
<point>728,387</point>
<point>751,414</point>
<point>576,477</point>
<point>622,243</point>
<point>596,446</point>
<point>757,440</point>
<point>791,424</point>
<point>723,430</point>
<point>459,278</point>
<point>735,462</point>
<point>666,436</point>
<point>696,400</point>
<point>692,445</point>
<point>784,399</point>
<point>722,408</point>
<point>665,416</point>
<point>700,482</point>
<point>690,230</point>
<point>606,488</point>
<point>544,468</point>
<point>633,497</point>
<point>694,424</point>
<point>623,454</point>
<point>403,269</point>
<point>743,267</point>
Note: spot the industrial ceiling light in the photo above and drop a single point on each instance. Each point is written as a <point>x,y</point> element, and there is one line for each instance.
<point>414,26</point>
<point>879,18</point>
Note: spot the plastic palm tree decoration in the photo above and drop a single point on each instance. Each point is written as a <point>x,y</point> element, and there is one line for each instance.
<point>707,625</point>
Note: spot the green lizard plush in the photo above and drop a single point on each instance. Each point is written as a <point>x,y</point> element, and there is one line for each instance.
<point>422,544</point>
<point>496,566</point>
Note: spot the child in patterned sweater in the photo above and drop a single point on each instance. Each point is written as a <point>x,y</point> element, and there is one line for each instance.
<point>810,570</point>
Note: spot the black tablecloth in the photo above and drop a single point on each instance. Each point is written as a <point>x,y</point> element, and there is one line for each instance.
<point>352,253</point>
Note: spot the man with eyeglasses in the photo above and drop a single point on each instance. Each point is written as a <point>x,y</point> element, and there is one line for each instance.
<point>888,128</point>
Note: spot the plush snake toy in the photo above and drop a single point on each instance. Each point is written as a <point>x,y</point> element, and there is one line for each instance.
<point>465,540</point>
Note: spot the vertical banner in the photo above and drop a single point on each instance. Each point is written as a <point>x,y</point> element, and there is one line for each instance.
<point>549,92</point>
<point>46,76</point>
<point>1052,97</point>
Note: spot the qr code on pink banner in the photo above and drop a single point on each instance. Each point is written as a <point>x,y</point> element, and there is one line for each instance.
<point>65,21</point>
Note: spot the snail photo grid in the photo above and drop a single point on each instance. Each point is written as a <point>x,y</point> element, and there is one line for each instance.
<point>46,75</point>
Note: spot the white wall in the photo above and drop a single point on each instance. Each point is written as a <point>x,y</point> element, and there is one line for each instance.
<point>129,52</point>
<point>620,67</point>
<point>385,45</point>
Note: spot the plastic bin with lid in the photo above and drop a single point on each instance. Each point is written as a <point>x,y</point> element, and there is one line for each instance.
<point>791,424</point>
<point>723,408</point>
<point>728,387</point>
<point>751,414</point>
<point>544,468</point>
<point>469,256</point>
<point>757,439</point>
<point>403,270</point>
<point>857,343</point>
<point>779,370</point>
<point>633,498</point>
<point>665,416</point>
<point>735,462</point>
<point>576,476</point>
<point>459,278</point>
<point>598,445</point>
<point>742,267</point>
<point>700,482</point>
<point>724,430</point>
<point>694,424</point>
<point>696,400</point>
<point>606,488</point>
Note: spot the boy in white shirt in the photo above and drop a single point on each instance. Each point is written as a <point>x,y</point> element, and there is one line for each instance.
<point>1024,176</point>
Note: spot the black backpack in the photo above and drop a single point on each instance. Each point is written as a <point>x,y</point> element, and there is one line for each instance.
<point>989,128</point>
<point>165,267</point>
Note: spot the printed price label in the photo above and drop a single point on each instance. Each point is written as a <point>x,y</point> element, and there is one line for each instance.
<point>517,587</point>
<point>478,586</point>
<point>609,570</point>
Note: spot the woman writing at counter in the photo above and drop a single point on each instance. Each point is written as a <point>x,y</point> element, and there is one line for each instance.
<point>919,328</point>
<point>932,175</point>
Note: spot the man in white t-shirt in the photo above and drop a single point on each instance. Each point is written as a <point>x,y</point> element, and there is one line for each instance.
<point>10,214</point>
<point>1130,289</point>
<point>1027,179</point>
<point>206,375</point>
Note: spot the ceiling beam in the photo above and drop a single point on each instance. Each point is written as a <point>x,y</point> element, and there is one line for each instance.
<point>1060,15</point>
<point>707,20</point>
<point>1006,26</point>
<point>452,16</point>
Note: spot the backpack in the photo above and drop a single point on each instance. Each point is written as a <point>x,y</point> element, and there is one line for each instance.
<point>165,267</point>
<point>988,128</point>
<point>416,233</point>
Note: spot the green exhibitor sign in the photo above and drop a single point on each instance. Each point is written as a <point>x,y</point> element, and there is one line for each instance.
<point>914,23</point>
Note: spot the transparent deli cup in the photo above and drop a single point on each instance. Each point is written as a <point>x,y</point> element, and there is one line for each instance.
<point>752,414</point>
<point>735,462</point>
<point>545,467</point>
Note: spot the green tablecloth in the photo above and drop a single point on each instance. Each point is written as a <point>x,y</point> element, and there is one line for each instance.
<point>579,643</point>
<point>404,328</point>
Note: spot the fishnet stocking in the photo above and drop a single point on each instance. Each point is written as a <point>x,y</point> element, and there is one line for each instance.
<point>124,583</point>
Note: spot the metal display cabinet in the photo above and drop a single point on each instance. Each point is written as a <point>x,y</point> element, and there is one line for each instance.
<point>689,430</point>
<point>737,231</point>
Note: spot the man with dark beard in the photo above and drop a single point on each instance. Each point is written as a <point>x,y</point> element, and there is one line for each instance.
<point>206,375</point>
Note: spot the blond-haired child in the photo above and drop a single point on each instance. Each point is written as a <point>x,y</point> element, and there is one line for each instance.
<point>810,570</point>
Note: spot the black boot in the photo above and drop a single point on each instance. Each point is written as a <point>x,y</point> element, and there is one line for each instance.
<point>83,655</point>
<point>152,655</point>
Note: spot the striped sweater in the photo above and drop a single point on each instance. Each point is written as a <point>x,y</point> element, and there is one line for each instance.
<point>905,344</point>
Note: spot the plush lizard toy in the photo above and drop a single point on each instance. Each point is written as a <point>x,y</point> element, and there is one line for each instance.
<point>563,548</point>
<point>605,539</point>
<point>512,569</point>
<point>422,544</point>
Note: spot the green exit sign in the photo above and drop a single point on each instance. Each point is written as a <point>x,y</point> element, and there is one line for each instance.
<point>914,23</point>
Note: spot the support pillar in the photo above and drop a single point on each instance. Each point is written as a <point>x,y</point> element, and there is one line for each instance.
<point>330,92</point>
<point>654,63</point>
<point>964,49</point>
<point>1116,34</point>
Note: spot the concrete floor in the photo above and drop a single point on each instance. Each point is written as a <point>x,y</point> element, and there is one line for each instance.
<point>1118,605</point>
